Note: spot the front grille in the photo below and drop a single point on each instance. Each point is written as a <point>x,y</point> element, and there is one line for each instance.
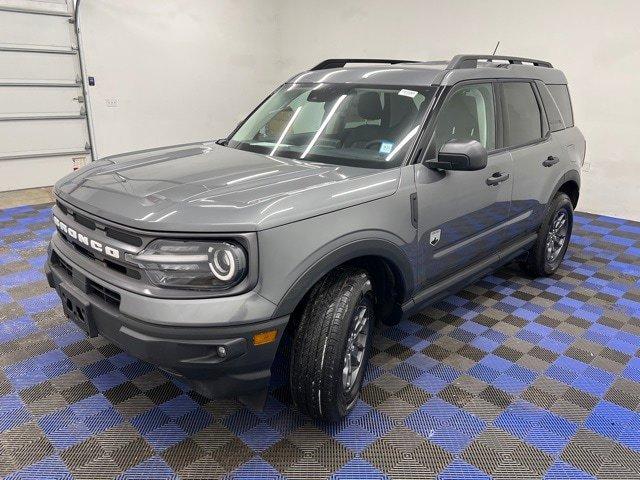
<point>123,236</point>
<point>127,270</point>
<point>84,221</point>
<point>62,208</point>
<point>56,260</point>
<point>104,293</point>
<point>91,224</point>
<point>79,248</point>
<point>122,268</point>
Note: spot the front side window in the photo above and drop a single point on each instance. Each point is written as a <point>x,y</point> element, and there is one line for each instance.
<point>467,114</point>
<point>522,118</point>
<point>357,125</point>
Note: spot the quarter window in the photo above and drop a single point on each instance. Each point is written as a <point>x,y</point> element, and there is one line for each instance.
<point>468,114</point>
<point>561,96</point>
<point>522,119</point>
<point>551,108</point>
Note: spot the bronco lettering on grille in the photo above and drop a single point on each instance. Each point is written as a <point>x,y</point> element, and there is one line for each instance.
<point>84,240</point>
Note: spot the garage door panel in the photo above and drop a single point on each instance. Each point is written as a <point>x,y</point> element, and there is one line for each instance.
<point>20,29</point>
<point>51,6</point>
<point>44,100</point>
<point>38,66</point>
<point>43,128</point>
<point>39,171</point>
<point>32,136</point>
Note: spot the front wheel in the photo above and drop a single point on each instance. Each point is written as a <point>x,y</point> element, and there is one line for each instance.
<point>331,345</point>
<point>554,235</point>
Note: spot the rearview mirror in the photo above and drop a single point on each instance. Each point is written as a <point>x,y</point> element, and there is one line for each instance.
<point>466,155</point>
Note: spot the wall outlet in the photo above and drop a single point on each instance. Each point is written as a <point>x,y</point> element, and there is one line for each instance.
<point>111,102</point>
<point>586,167</point>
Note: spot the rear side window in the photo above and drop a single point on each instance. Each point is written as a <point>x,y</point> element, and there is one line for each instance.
<point>522,118</point>
<point>563,100</point>
<point>551,108</point>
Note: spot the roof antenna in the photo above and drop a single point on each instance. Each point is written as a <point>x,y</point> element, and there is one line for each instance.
<point>496,49</point>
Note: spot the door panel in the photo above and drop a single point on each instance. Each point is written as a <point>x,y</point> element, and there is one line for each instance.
<point>470,214</point>
<point>539,160</point>
<point>534,182</point>
<point>466,211</point>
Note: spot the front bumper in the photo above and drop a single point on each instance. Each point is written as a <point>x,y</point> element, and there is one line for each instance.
<point>189,352</point>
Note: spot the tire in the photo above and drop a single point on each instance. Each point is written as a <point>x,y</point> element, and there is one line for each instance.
<point>541,259</point>
<point>336,306</point>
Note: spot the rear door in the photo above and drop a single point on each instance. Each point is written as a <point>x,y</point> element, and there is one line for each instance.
<point>43,124</point>
<point>462,215</point>
<point>539,161</point>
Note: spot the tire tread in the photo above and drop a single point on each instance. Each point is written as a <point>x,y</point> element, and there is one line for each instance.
<point>319,343</point>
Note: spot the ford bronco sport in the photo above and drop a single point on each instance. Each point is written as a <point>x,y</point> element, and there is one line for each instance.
<point>359,191</point>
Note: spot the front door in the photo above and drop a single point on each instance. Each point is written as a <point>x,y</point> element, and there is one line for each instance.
<point>462,215</point>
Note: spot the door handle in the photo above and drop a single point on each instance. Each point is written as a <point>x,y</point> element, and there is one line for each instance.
<point>550,161</point>
<point>497,178</point>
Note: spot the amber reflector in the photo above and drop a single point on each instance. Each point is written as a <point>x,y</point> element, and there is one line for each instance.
<point>263,338</point>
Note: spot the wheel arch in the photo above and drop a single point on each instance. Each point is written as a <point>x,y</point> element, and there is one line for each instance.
<point>380,258</point>
<point>570,185</point>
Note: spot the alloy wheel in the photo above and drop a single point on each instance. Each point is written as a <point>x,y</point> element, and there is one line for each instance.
<point>356,345</point>
<point>557,236</point>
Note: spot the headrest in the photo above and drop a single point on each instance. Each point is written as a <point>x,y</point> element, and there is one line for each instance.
<point>369,106</point>
<point>403,110</point>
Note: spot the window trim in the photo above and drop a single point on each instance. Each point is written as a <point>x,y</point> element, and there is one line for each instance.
<point>543,115</point>
<point>439,100</point>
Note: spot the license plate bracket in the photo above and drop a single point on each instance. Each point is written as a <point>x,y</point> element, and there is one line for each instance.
<point>78,309</point>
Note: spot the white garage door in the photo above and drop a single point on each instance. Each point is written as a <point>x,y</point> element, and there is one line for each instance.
<point>43,125</point>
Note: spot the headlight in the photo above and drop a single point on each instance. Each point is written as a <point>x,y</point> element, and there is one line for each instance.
<point>192,265</point>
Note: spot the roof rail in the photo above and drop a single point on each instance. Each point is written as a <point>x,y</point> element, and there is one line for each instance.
<point>341,62</point>
<point>471,61</point>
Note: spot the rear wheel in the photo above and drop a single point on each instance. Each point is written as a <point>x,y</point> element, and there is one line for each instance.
<point>554,235</point>
<point>331,345</point>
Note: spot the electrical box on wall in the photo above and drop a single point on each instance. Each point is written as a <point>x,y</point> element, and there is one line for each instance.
<point>78,162</point>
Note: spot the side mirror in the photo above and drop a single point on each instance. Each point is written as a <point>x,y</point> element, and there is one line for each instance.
<point>466,155</point>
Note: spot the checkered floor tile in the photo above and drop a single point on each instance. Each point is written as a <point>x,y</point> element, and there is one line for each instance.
<point>510,378</point>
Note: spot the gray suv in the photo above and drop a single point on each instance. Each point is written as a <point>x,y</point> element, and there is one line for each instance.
<point>358,192</point>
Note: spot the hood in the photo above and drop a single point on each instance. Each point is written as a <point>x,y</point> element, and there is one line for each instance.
<point>206,187</point>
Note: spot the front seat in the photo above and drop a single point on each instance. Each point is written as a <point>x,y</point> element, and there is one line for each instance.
<point>459,121</point>
<point>402,115</point>
<point>370,109</point>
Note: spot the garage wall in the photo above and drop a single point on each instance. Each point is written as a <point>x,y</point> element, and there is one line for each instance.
<point>596,44</point>
<point>174,71</point>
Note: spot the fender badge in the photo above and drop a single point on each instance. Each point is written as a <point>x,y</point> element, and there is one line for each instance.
<point>434,238</point>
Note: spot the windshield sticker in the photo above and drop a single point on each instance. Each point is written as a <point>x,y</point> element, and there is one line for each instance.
<point>386,147</point>
<point>407,93</point>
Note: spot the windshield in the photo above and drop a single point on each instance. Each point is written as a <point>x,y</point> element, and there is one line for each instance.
<point>367,125</point>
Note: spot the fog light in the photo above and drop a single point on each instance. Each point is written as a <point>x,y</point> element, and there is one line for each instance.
<point>222,352</point>
<point>263,338</point>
